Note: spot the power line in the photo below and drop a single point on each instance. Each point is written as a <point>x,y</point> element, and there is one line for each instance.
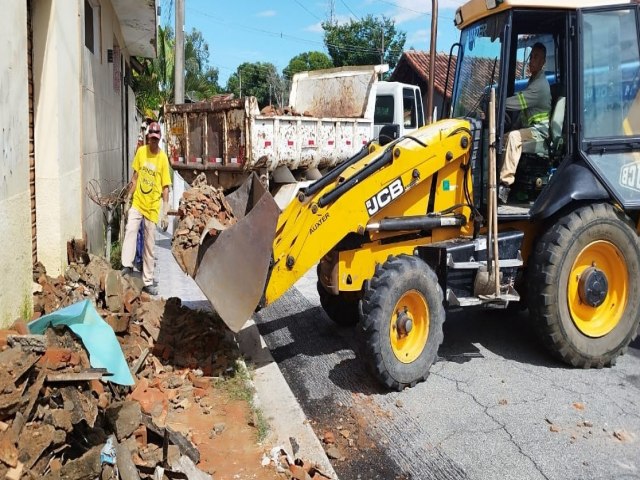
<point>411,10</point>
<point>349,8</point>
<point>169,9</point>
<point>307,10</point>
<point>290,37</point>
<point>404,8</point>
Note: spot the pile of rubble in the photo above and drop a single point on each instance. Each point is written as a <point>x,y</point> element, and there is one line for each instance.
<point>272,111</point>
<point>59,420</point>
<point>198,206</point>
<point>62,419</point>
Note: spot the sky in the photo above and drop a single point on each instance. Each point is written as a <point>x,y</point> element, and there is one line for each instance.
<point>275,31</point>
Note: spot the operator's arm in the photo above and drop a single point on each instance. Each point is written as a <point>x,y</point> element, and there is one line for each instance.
<point>527,98</point>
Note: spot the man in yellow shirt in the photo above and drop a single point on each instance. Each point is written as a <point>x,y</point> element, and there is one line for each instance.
<point>150,182</point>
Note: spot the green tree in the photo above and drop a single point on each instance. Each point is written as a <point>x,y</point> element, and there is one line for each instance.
<point>201,80</point>
<point>259,79</point>
<point>155,86</point>
<point>307,61</point>
<point>369,41</point>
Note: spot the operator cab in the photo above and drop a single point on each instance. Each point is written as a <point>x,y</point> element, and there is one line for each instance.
<point>593,69</point>
<point>494,52</point>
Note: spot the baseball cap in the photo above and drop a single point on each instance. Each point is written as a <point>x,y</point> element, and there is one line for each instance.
<point>154,130</point>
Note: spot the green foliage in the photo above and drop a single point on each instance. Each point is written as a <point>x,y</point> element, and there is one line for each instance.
<point>156,85</point>
<point>260,80</point>
<point>307,61</point>
<point>201,80</point>
<point>361,42</point>
<point>116,256</point>
<point>26,309</point>
<point>240,387</point>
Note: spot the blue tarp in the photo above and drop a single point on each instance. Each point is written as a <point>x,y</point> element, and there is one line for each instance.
<point>96,335</point>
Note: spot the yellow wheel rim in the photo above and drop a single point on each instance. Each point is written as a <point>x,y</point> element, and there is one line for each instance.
<point>597,321</point>
<point>409,326</point>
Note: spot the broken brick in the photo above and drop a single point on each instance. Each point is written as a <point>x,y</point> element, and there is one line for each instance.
<point>55,358</point>
<point>140,434</point>
<point>96,387</point>
<point>119,322</point>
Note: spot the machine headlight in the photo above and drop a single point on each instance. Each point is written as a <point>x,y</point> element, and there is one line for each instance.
<point>491,4</point>
<point>458,18</point>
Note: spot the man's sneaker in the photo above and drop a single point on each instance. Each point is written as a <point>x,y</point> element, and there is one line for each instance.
<point>150,289</point>
<point>126,271</point>
<point>503,193</point>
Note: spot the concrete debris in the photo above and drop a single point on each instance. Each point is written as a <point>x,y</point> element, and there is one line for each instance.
<point>296,469</point>
<point>185,465</point>
<point>29,343</point>
<point>272,111</point>
<point>57,412</point>
<point>198,206</point>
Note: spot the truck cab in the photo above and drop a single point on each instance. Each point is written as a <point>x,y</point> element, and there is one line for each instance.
<point>398,104</point>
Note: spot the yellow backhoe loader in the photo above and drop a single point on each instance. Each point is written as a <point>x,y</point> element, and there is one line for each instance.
<point>410,226</point>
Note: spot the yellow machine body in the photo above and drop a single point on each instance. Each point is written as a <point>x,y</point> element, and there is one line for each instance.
<point>428,174</point>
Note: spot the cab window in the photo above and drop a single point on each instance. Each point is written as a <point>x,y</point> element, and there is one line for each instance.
<point>610,74</point>
<point>409,108</point>
<point>383,113</point>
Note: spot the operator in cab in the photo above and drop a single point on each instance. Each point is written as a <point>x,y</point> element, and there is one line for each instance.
<point>532,107</point>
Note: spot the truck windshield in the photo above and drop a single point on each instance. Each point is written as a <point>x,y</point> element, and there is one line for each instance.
<point>479,62</point>
<point>383,113</point>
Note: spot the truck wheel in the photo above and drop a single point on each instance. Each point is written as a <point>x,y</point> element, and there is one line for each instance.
<point>402,314</point>
<point>339,308</point>
<point>584,272</point>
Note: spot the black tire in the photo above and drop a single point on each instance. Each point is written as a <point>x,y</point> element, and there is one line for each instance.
<point>579,333</point>
<point>341,308</point>
<point>397,279</point>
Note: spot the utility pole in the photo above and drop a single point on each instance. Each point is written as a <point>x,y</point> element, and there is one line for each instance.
<point>240,81</point>
<point>382,46</point>
<point>179,54</point>
<point>432,59</point>
<point>332,11</point>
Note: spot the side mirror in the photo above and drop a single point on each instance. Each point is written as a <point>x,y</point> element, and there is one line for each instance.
<point>388,134</point>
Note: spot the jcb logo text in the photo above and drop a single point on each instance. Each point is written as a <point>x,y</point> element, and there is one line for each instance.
<point>384,196</point>
<point>630,176</point>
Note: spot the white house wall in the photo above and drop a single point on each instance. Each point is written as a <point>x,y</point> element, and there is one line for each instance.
<point>15,228</point>
<point>79,126</point>
<point>79,134</point>
<point>103,126</point>
<point>56,27</point>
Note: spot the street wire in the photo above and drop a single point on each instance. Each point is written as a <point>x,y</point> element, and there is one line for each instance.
<point>283,36</point>
<point>349,8</point>
<point>308,11</point>
<point>411,10</point>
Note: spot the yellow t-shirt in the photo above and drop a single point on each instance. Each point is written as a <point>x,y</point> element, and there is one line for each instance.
<point>153,175</point>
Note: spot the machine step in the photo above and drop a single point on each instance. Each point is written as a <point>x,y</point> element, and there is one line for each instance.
<point>488,300</point>
<point>504,263</point>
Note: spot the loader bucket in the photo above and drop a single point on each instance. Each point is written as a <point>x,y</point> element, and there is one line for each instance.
<point>232,267</point>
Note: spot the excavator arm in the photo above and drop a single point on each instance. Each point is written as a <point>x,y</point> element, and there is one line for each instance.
<point>393,184</point>
<point>418,185</point>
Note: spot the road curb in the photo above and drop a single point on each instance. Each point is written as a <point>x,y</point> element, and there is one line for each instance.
<point>278,403</point>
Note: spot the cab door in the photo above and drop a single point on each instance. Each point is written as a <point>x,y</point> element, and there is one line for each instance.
<point>609,99</point>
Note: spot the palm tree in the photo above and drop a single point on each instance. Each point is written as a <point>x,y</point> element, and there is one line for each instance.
<point>155,86</point>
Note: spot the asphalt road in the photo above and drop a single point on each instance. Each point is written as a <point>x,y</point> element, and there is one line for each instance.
<point>495,406</point>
